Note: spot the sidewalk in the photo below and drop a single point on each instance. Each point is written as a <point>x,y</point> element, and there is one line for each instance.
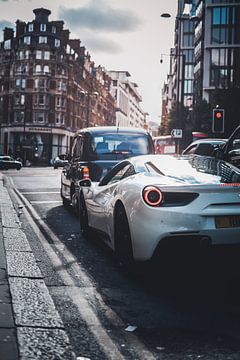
<point>30,326</point>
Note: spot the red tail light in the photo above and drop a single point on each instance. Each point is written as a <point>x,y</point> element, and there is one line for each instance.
<point>85,172</point>
<point>152,196</point>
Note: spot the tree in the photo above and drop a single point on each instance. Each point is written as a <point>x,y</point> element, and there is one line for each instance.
<point>202,117</point>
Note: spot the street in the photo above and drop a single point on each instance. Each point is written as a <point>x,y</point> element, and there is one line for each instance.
<point>108,314</point>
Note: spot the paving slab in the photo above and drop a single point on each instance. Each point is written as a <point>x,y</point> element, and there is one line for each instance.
<point>22,264</point>
<point>44,344</point>
<point>9,217</point>
<point>32,303</point>
<point>15,240</point>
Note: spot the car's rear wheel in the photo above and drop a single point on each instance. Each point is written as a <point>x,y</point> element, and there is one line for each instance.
<point>83,216</point>
<point>75,203</point>
<point>65,201</point>
<point>122,239</point>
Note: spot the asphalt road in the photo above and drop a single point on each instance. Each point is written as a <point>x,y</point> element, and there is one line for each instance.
<point>191,312</point>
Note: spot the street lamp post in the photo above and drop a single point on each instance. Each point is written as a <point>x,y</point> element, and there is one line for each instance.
<point>180,71</point>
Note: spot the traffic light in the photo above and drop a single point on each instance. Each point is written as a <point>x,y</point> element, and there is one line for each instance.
<point>218,121</point>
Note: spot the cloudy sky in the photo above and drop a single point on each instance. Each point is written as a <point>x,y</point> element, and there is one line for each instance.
<point>119,34</point>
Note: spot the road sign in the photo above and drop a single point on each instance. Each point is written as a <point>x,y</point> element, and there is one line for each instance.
<point>176,133</point>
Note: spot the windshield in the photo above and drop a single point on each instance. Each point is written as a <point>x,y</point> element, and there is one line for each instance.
<point>112,145</point>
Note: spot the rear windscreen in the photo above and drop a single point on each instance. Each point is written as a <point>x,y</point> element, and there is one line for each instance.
<point>125,144</point>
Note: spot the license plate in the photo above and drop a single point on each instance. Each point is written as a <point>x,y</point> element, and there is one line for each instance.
<point>227,221</point>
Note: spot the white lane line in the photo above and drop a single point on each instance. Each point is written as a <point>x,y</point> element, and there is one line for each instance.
<point>84,307</point>
<point>45,201</point>
<point>40,192</point>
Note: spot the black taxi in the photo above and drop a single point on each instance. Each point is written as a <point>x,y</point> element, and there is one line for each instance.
<point>99,149</point>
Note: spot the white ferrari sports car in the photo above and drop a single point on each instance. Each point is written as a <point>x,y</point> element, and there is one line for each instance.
<point>149,203</point>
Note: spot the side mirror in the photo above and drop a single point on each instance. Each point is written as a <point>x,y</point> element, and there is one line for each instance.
<point>219,153</point>
<point>86,183</point>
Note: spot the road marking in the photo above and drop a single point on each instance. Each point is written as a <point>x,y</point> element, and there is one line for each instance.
<point>40,192</point>
<point>84,307</point>
<point>45,202</point>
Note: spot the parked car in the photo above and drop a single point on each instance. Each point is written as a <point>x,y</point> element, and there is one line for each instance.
<point>100,148</point>
<point>7,162</point>
<point>230,151</point>
<point>149,204</point>
<point>60,161</point>
<point>205,146</point>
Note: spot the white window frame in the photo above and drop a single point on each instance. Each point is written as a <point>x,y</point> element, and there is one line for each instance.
<point>57,43</point>
<point>43,27</point>
<point>30,27</point>
<point>7,44</point>
<point>38,68</point>
<point>38,54</point>
<point>27,40</point>
<point>46,55</point>
<point>42,39</point>
<point>46,69</point>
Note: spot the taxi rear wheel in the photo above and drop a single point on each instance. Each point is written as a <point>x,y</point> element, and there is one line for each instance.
<point>83,216</point>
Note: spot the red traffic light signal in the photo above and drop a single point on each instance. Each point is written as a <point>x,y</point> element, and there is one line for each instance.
<point>218,121</point>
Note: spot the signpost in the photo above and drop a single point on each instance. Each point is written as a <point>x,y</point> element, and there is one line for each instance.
<point>177,134</point>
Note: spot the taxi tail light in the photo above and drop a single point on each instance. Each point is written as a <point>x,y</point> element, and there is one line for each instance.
<point>152,196</point>
<point>85,173</point>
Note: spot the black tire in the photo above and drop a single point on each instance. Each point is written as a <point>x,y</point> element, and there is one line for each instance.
<point>65,201</point>
<point>122,239</point>
<point>83,217</point>
<point>75,204</point>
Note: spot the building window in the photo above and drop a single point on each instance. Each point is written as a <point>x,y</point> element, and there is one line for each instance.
<point>222,29</point>
<point>43,27</point>
<point>30,27</point>
<point>58,101</point>
<point>57,42</point>
<point>58,117</point>
<point>7,44</point>
<point>54,29</point>
<point>17,100</point>
<point>46,69</point>
<point>38,54</point>
<point>42,39</point>
<point>188,86</point>
<point>22,99</point>
<point>46,55</point>
<point>39,117</point>
<point>23,85</point>
<point>188,55</point>
<point>40,83</point>
<point>38,69</point>
<point>20,83</point>
<point>27,40</point>
<point>221,67</point>
<point>27,54</point>
<point>41,99</point>
<point>19,116</point>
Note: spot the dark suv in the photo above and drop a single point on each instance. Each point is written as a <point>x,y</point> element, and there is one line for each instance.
<point>100,148</point>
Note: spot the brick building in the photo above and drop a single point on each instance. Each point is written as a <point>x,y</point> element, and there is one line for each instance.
<point>49,88</point>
